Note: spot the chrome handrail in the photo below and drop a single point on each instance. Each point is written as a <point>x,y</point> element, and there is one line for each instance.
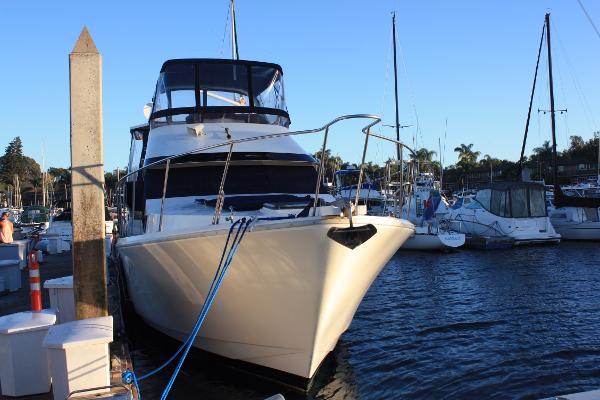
<point>366,130</point>
<point>221,194</point>
<point>251,139</point>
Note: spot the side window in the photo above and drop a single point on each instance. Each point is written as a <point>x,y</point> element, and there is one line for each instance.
<point>519,206</point>
<point>135,154</point>
<point>484,198</point>
<point>537,203</point>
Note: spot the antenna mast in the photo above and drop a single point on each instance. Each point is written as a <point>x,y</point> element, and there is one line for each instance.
<point>235,55</point>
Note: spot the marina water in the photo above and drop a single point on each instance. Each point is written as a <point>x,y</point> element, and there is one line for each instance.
<point>506,324</point>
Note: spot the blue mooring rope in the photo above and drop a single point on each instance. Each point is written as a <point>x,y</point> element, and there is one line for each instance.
<point>130,377</point>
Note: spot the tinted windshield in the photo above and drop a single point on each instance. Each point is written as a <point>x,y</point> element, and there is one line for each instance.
<point>190,90</point>
<point>348,179</point>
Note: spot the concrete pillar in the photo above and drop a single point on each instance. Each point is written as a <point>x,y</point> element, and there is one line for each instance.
<point>87,179</point>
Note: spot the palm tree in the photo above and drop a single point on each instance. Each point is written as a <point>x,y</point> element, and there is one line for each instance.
<point>424,157</point>
<point>466,156</point>
<point>35,182</point>
<point>490,160</point>
<point>544,152</point>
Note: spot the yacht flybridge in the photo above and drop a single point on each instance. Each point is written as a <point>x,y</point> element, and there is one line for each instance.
<point>216,149</point>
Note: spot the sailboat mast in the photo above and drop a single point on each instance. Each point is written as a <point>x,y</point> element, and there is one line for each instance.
<point>398,148</point>
<point>537,64</point>
<point>551,86</point>
<point>235,55</point>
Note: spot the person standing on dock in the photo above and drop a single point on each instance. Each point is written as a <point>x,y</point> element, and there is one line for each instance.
<point>6,229</point>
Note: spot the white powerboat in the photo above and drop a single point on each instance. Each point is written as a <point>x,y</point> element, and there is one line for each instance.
<point>576,223</point>
<point>217,139</point>
<point>575,214</point>
<point>515,210</point>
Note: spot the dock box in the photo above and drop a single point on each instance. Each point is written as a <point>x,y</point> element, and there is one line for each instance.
<point>62,298</point>
<point>10,272</point>
<point>17,250</point>
<point>78,355</point>
<point>58,244</point>
<point>24,366</point>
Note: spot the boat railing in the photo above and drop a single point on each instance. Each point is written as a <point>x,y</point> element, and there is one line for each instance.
<point>124,216</point>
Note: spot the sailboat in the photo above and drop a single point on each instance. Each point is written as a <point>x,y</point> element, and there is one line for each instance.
<point>426,207</point>
<point>420,206</point>
<point>217,148</point>
<point>574,217</point>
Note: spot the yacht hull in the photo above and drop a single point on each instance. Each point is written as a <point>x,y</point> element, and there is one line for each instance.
<point>524,231</point>
<point>578,230</point>
<point>289,294</point>
<point>433,241</point>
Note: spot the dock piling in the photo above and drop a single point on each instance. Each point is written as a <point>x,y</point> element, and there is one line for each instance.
<point>87,179</point>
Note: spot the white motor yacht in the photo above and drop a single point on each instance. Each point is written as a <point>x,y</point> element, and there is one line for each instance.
<point>218,138</point>
<point>575,214</point>
<point>516,210</point>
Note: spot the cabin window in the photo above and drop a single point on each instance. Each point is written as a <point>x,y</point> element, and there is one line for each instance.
<point>349,179</point>
<point>268,87</point>
<point>518,202</point>
<point>241,180</point>
<point>135,155</point>
<point>484,198</point>
<point>537,202</point>
<point>174,86</point>
<point>498,203</point>
<point>591,214</point>
<point>182,98</point>
<point>223,85</point>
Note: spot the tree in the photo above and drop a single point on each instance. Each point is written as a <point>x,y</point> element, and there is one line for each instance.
<point>424,157</point>
<point>36,182</point>
<point>13,162</point>
<point>60,175</point>
<point>332,163</point>
<point>542,153</point>
<point>467,158</point>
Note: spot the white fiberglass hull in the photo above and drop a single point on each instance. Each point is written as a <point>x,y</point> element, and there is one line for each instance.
<point>434,241</point>
<point>571,230</point>
<point>289,294</point>
<point>480,223</point>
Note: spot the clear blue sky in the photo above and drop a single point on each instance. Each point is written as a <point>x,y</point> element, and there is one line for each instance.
<point>469,61</point>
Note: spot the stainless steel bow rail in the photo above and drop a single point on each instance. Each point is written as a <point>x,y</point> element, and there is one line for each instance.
<point>231,143</point>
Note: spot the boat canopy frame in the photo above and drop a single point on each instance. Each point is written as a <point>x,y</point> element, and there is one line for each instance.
<point>248,79</point>
<point>502,198</point>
